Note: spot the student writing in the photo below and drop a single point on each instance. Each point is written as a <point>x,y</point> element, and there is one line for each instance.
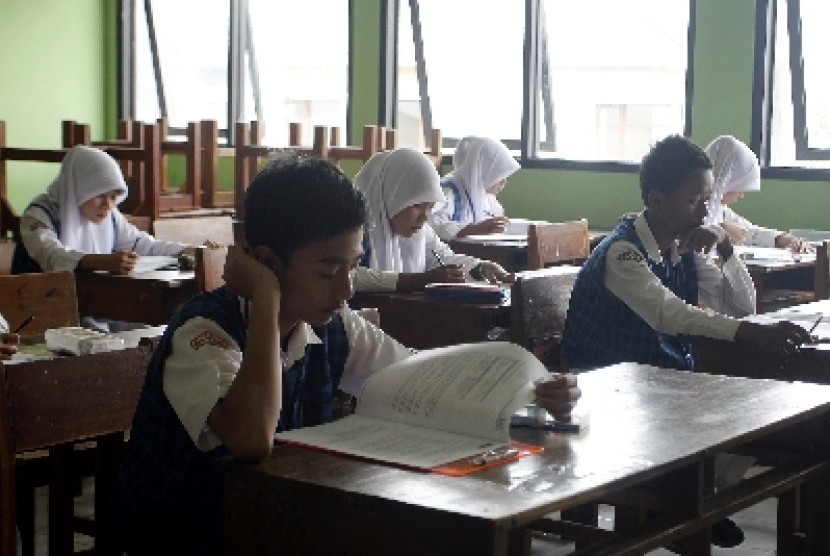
<point>401,250</point>
<point>76,224</point>
<point>736,171</point>
<point>481,167</point>
<point>223,380</point>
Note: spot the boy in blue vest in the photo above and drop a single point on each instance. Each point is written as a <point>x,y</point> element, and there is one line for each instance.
<point>649,282</point>
<point>224,379</point>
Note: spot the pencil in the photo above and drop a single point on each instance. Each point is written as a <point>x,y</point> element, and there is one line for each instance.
<point>438,257</point>
<point>23,324</point>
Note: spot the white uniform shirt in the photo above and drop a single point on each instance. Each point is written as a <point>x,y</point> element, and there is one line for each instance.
<point>441,217</point>
<point>371,280</point>
<point>755,235</point>
<point>42,243</point>
<point>726,291</point>
<point>204,361</point>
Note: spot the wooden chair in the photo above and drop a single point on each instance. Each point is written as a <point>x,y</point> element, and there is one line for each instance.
<point>49,296</point>
<point>6,255</point>
<point>52,404</point>
<point>210,265</point>
<point>212,153</point>
<point>557,243</point>
<point>194,230</point>
<point>538,307</point>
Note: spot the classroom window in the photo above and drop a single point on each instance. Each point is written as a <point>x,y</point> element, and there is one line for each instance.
<point>282,72</point>
<point>607,78</point>
<point>798,125</point>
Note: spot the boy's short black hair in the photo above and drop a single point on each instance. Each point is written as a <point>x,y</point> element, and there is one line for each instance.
<point>669,164</point>
<point>294,201</point>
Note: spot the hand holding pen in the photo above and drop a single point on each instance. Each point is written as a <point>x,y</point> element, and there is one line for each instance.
<point>10,340</point>
<point>443,272</point>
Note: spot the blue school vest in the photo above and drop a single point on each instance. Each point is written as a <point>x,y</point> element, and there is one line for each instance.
<point>601,330</point>
<point>169,494</point>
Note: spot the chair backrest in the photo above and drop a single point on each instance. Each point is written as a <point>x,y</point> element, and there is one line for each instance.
<point>557,243</point>
<point>821,284</point>
<point>210,264</point>
<point>55,402</point>
<point>539,304</point>
<point>50,297</point>
<point>7,248</point>
<point>194,230</point>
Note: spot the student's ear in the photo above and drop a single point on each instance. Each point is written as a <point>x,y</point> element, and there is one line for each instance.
<point>656,199</point>
<point>266,256</point>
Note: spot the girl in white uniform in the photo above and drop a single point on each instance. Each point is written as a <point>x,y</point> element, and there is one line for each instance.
<point>736,171</point>
<point>481,166</point>
<point>401,251</point>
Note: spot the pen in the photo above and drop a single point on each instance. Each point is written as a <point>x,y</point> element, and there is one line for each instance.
<point>135,244</point>
<point>437,256</point>
<point>818,320</point>
<point>23,324</point>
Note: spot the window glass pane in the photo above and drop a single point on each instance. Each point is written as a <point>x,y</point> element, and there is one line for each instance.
<point>473,57</point>
<point>617,84</point>
<point>816,87</point>
<point>192,38</point>
<point>302,57</point>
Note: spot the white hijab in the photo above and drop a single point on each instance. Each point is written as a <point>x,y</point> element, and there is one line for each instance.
<point>478,163</point>
<point>85,173</point>
<point>391,182</point>
<point>735,168</point>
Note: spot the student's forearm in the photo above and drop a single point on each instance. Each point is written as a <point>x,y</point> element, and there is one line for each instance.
<point>246,418</point>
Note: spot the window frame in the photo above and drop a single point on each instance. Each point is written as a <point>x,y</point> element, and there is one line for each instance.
<point>239,40</point>
<point>767,14</point>
<point>529,142</point>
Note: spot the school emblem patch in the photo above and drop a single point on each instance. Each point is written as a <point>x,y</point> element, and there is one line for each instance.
<point>207,338</point>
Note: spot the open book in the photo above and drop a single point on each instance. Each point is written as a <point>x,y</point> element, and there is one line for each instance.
<point>435,407</point>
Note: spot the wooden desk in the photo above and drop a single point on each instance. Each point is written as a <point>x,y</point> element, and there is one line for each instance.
<point>782,284</point>
<point>649,444</point>
<point>511,255</point>
<point>51,404</point>
<point>149,297</point>
<point>421,323</point>
<point>809,364</point>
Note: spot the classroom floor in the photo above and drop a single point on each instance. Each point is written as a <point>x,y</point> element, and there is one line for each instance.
<point>758,523</point>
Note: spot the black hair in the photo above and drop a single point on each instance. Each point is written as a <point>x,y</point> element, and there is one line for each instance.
<point>294,201</point>
<point>669,164</point>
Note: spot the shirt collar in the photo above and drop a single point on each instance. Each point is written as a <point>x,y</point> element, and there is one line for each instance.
<point>302,336</point>
<point>646,236</point>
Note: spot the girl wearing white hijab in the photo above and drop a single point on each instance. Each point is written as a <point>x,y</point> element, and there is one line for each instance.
<point>481,166</point>
<point>736,171</point>
<point>401,251</point>
<point>76,223</point>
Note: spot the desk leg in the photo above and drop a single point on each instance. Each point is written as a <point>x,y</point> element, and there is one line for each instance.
<point>61,500</point>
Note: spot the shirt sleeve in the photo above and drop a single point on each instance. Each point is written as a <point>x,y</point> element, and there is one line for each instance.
<point>41,241</point>
<point>728,290</point>
<point>371,350</point>
<point>755,235</point>
<point>128,236</point>
<point>371,280</point>
<point>628,277</point>
<point>202,365</point>
<point>441,218</point>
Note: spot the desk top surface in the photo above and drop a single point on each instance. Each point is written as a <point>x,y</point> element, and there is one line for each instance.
<point>643,422</point>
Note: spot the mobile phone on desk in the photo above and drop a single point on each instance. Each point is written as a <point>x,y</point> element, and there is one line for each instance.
<point>538,418</point>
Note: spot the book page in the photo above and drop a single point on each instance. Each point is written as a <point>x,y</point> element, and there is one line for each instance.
<point>470,389</point>
<point>389,441</point>
<point>148,263</point>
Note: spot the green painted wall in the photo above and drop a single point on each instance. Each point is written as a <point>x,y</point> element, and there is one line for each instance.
<point>73,76</point>
<point>52,60</point>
